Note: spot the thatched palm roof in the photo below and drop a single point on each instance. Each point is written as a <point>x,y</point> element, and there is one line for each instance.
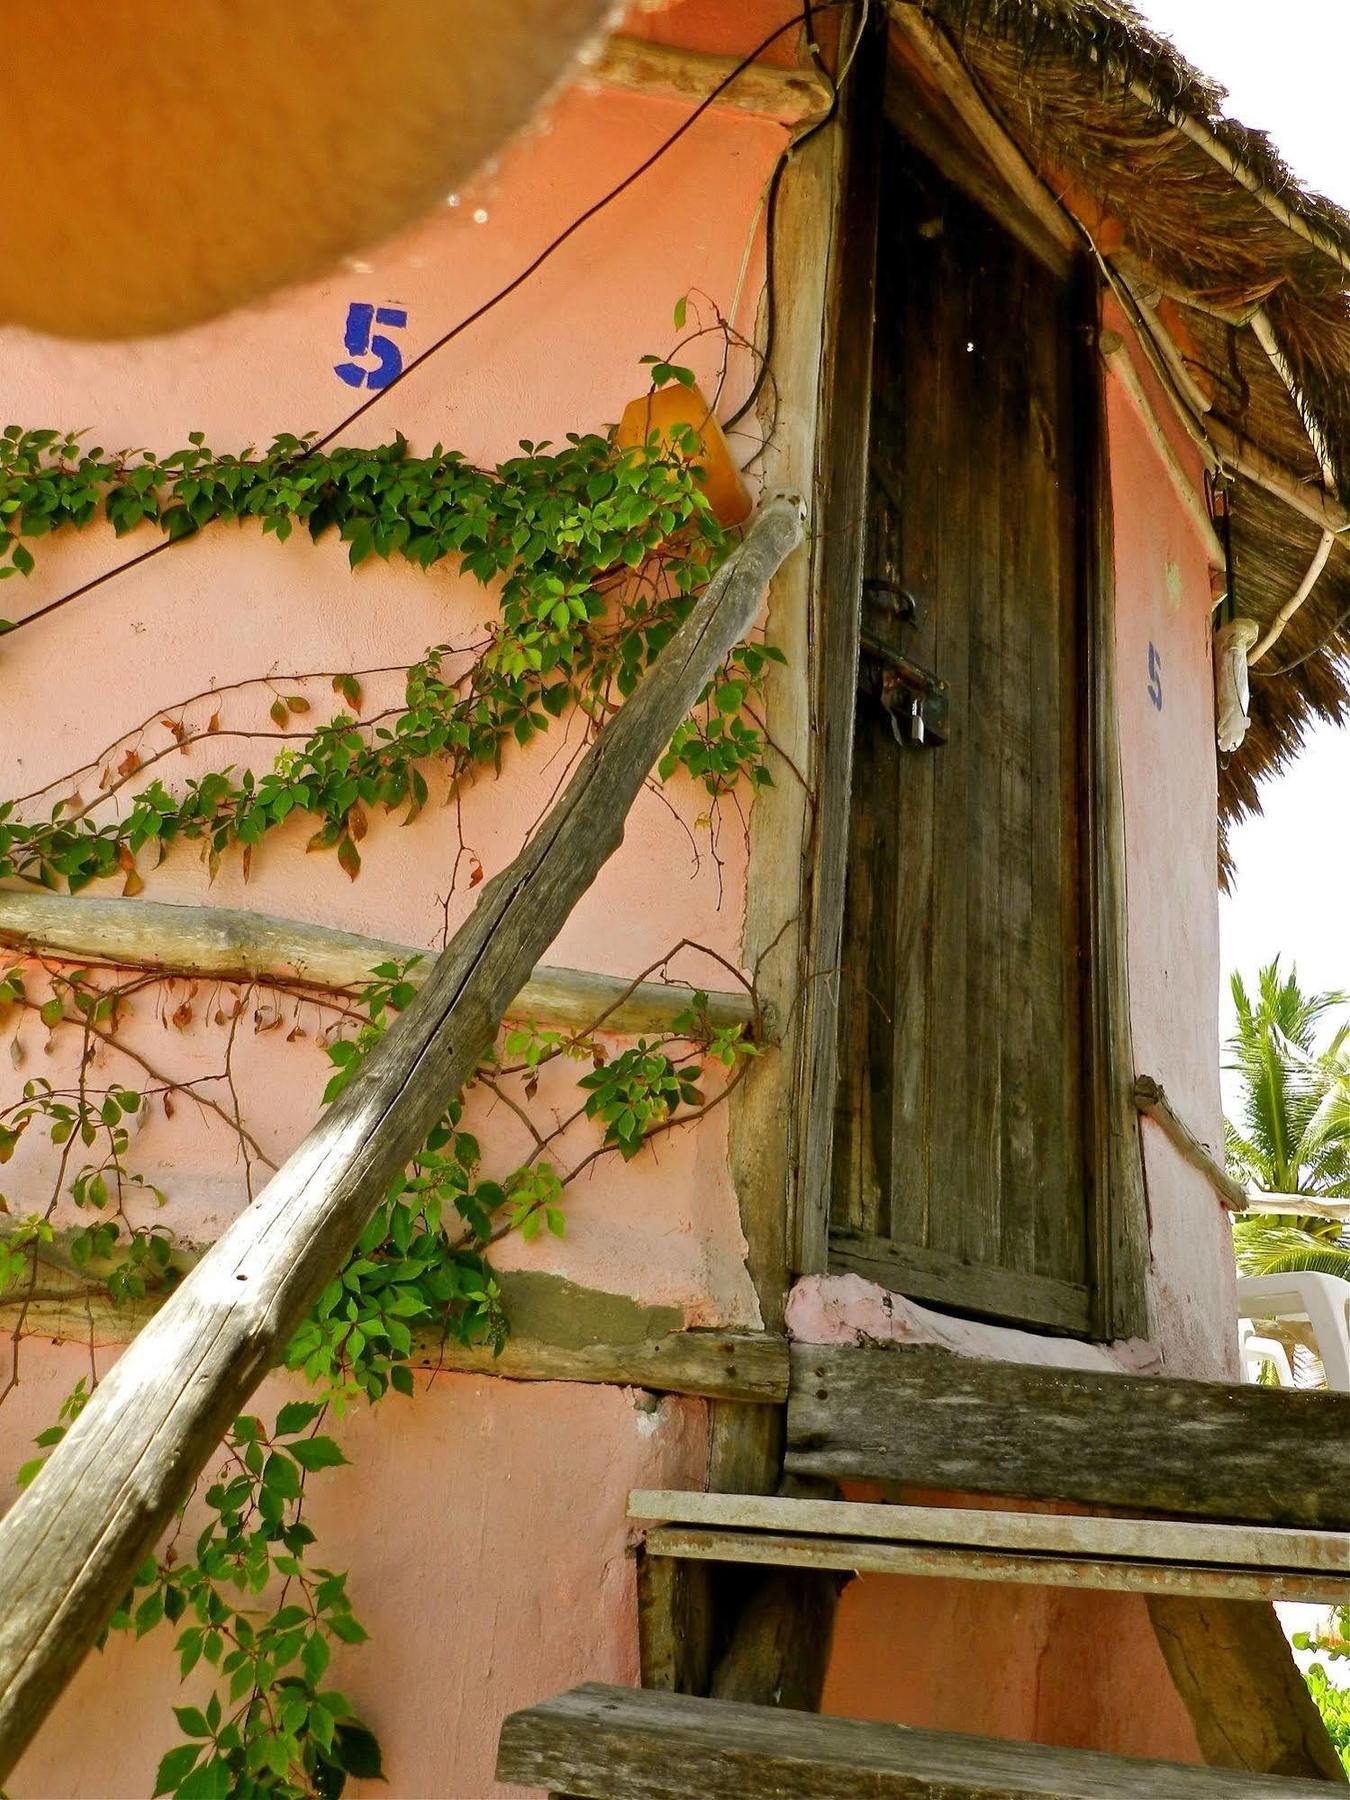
<point>1209,241</point>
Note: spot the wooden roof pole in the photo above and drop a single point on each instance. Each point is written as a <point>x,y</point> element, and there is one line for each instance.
<point>71,1543</point>
<point>1205,139</point>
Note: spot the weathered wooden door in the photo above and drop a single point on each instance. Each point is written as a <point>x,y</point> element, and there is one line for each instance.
<point>960,1168</point>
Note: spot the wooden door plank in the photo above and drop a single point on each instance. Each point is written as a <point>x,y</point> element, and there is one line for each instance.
<point>1191,1448</point>
<point>956,776</point>
<point>1059,1306</point>
<point>914,330</point>
<point>1056,975</point>
<point>1021,1146</point>
<point>610,1743</point>
<point>1069,1534</point>
<point>984,850</point>
<point>847,386</point>
<point>960,1562</point>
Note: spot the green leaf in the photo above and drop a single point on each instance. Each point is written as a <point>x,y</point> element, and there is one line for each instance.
<point>174,1766</point>
<point>317,1453</point>
<point>296,1415</point>
<point>281,1476</point>
<point>358,1750</point>
<point>192,1721</point>
<point>209,1782</point>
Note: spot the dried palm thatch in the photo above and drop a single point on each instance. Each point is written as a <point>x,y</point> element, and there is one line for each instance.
<point>1222,258</point>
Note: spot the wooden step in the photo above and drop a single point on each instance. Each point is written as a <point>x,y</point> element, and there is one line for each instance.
<point>611,1743</point>
<point>1150,1556</point>
<point>1199,1449</point>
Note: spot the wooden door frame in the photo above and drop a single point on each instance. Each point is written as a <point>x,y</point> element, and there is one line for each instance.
<point>1117,1206</point>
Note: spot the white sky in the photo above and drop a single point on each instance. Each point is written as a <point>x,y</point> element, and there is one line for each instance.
<point>1285,68</point>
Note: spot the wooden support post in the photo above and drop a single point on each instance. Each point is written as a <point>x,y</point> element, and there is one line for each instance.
<point>779,1652</point>
<point>1249,1704</point>
<point>71,1543</point>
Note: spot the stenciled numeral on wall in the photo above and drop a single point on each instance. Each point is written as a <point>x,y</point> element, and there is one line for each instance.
<point>359,341</point>
<point>1155,691</point>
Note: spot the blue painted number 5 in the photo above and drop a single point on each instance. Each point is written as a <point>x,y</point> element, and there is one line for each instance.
<point>1155,692</point>
<point>359,342</point>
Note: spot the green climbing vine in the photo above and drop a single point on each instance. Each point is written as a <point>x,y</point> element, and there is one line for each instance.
<point>596,552</point>
<point>595,555</point>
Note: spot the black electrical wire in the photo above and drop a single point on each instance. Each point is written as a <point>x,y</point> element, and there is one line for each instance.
<point>517,281</point>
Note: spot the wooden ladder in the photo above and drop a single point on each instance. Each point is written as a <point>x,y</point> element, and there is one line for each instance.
<point>1249,1495</point>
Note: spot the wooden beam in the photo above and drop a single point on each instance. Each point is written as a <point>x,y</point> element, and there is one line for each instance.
<point>745,1366</point>
<point>779,1653</point>
<point>793,97</point>
<point>1119,1224</point>
<point>1055,238</point>
<point>959,1562</point>
<point>71,1542</point>
<point>1256,465</point>
<point>611,1743</point>
<point>1275,630</point>
<point>1150,1098</point>
<point>1308,1206</point>
<point>1177,1541</point>
<point>220,943</point>
<point>1263,329</point>
<point>1198,1449</point>
<point>1200,134</point>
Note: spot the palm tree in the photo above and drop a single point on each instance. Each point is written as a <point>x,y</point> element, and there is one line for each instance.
<point>1294,1136</point>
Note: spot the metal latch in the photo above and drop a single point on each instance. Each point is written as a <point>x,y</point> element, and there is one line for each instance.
<point>914,698</point>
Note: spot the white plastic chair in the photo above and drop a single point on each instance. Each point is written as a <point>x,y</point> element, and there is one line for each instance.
<point>1323,1300</point>
<point>1258,1353</point>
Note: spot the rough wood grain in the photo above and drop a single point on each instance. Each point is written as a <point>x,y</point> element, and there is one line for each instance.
<point>1120,1222</point>
<point>749,1367</point>
<point>1150,1098</point>
<point>1189,1448</point>
<point>1052,1534</point>
<point>779,1652</point>
<point>230,945</point>
<point>961,1170</point>
<point>842,464</point>
<point>675,1624</point>
<point>669,72</point>
<point>625,1744</point>
<point>1249,1704</point>
<point>70,1544</point>
<point>955,1562</point>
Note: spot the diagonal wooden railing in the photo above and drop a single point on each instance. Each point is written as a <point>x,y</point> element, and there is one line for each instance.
<point>71,1543</point>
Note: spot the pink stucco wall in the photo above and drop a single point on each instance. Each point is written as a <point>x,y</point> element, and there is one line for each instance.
<point>483,1521</point>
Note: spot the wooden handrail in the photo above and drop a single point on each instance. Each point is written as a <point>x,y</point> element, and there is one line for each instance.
<point>71,1543</point>
<point>1150,1098</point>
